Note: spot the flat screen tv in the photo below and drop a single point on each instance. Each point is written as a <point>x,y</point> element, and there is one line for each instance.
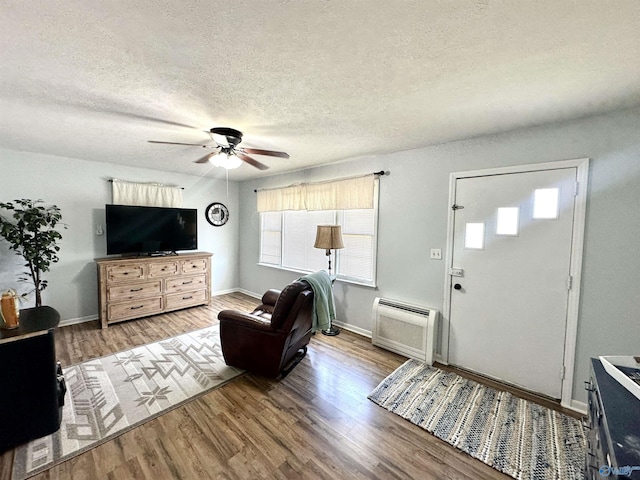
<point>150,230</point>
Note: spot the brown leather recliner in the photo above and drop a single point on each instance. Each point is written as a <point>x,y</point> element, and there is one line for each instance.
<point>273,338</point>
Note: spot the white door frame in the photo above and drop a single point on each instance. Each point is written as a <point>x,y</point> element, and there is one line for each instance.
<point>577,242</point>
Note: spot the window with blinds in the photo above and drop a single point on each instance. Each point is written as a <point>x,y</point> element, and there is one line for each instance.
<point>287,240</point>
<point>271,238</point>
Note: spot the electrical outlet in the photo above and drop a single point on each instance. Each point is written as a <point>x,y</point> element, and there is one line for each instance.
<point>436,254</point>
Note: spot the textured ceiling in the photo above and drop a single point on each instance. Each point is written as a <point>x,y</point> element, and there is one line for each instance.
<point>324,80</point>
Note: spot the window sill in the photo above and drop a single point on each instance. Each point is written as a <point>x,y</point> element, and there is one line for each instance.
<point>338,279</point>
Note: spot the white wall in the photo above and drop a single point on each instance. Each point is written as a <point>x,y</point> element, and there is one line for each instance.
<point>81,190</point>
<point>413,219</point>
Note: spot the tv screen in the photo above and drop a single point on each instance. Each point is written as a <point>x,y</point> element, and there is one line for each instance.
<point>146,230</point>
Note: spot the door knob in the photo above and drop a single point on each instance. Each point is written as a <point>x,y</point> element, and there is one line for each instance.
<point>457,286</point>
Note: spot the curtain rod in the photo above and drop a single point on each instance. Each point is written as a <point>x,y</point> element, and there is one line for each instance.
<point>380,174</point>
<point>160,184</point>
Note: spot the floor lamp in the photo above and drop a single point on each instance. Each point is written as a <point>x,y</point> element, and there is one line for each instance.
<point>329,237</point>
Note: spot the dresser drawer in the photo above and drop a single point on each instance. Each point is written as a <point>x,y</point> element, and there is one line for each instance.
<point>186,299</point>
<point>186,283</point>
<point>163,269</point>
<point>134,290</point>
<point>197,265</point>
<point>134,309</point>
<point>125,272</point>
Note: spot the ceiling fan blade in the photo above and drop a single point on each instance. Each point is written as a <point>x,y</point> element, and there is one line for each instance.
<point>178,143</point>
<point>270,153</point>
<point>251,161</point>
<point>204,159</point>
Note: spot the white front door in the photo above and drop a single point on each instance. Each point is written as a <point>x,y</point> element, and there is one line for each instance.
<point>510,276</point>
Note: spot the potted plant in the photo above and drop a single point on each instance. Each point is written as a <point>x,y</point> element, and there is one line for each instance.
<point>30,231</point>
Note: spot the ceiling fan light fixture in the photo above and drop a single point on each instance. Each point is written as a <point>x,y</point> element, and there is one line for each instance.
<point>224,160</point>
<point>226,153</point>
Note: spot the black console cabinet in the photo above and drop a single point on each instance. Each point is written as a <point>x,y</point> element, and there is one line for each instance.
<point>613,433</point>
<point>31,383</point>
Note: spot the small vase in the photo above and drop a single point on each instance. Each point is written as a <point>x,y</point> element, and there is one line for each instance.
<point>9,311</point>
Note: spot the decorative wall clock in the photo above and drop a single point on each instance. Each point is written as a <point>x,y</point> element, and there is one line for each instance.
<point>217,214</point>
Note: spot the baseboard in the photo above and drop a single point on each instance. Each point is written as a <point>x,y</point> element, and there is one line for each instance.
<point>224,292</point>
<point>74,321</point>
<point>236,290</point>
<point>251,294</point>
<point>353,328</point>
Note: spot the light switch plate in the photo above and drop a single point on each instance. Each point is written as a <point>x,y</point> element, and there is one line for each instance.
<point>436,254</point>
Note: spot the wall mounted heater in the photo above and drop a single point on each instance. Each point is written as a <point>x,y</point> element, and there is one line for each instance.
<point>405,329</point>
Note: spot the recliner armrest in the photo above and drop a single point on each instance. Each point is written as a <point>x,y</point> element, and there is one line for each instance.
<point>271,297</point>
<point>245,320</point>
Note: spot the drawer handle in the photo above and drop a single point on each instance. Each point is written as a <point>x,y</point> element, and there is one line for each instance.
<point>126,273</point>
<point>136,308</point>
<point>194,266</point>
<point>187,298</point>
<point>135,289</point>
<point>187,283</point>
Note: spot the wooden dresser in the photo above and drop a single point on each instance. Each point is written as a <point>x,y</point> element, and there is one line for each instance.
<point>134,287</point>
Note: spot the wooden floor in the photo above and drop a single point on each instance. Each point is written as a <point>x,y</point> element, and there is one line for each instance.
<point>315,423</point>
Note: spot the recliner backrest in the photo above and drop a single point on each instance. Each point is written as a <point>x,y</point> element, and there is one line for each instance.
<point>286,306</point>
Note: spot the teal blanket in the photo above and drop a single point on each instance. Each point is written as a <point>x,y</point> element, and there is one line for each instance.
<point>323,308</point>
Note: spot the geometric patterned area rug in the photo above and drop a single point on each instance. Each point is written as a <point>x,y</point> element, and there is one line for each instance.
<point>517,437</point>
<point>109,396</point>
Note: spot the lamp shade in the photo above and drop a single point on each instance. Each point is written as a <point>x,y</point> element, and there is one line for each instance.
<point>329,237</point>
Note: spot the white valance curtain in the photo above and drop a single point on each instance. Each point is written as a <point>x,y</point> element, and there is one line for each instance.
<point>146,194</point>
<point>280,199</point>
<point>343,194</point>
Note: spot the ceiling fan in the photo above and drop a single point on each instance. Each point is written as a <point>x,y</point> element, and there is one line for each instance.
<point>226,152</point>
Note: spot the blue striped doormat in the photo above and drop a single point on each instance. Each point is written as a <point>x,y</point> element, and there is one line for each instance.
<point>517,437</point>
